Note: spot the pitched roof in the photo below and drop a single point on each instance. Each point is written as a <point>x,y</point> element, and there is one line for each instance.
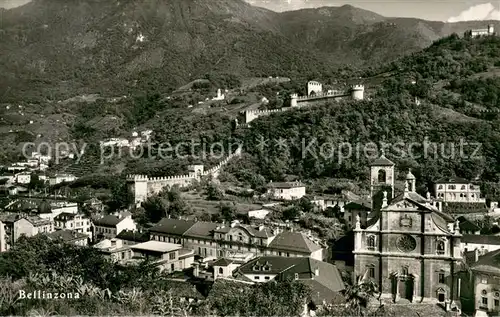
<point>382,161</point>
<point>269,264</point>
<point>67,235</point>
<point>107,221</point>
<point>286,185</point>
<point>452,180</point>
<point>489,263</point>
<point>201,229</point>
<point>480,239</point>
<point>325,286</point>
<point>467,225</point>
<point>129,235</point>
<point>222,262</point>
<point>293,241</point>
<point>253,231</point>
<point>172,226</point>
<point>64,216</point>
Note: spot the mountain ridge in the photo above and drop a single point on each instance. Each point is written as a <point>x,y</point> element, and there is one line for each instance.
<point>60,49</point>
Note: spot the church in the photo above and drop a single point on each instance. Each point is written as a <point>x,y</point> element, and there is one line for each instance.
<point>407,246</point>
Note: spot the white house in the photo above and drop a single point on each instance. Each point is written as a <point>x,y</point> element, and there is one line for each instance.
<point>75,222</point>
<point>224,268</point>
<point>258,214</point>
<point>115,250</point>
<point>23,178</point>
<point>61,178</point>
<point>169,257</point>
<point>454,189</point>
<point>287,190</point>
<point>110,226</point>
<point>484,243</point>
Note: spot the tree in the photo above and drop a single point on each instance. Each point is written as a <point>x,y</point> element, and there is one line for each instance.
<point>214,192</point>
<point>155,208</point>
<point>358,296</point>
<point>291,213</point>
<point>36,183</point>
<point>227,212</point>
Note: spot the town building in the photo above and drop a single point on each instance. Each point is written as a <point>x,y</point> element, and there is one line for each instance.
<point>214,240</point>
<point>467,226</point>
<point>61,178</point>
<point>23,178</point>
<point>3,238</point>
<point>486,284</point>
<point>70,236</point>
<point>323,278</point>
<point>115,250</point>
<point>410,249</point>
<point>16,225</point>
<point>75,222</point>
<point>131,237</point>
<point>455,189</point>
<point>224,268</point>
<point>287,190</point>
<point>490,30</point>
<point>111,225</point>
<point>169,257</point>
<point>484,243</point>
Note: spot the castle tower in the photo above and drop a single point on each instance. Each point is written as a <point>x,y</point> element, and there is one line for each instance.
<point>195,171</point>
<point>138,186</point>
<point>314,88</point>
<point>358,92</point>
<point>381,178</point>
<point>293,100</point>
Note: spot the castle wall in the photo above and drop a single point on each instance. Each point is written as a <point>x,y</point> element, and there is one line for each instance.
<point>143,186</point>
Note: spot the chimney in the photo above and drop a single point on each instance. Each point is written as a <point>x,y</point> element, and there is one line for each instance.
<point>261,227</point>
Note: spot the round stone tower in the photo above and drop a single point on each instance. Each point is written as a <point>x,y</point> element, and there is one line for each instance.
<point>358,92</point>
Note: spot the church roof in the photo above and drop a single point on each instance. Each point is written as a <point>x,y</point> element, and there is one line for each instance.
<point>382,161</point>
<point>440,219</point>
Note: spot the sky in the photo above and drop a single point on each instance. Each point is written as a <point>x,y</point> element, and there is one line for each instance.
<point>437,10</point>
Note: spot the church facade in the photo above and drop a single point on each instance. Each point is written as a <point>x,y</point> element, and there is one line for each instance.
<point>408,247</point>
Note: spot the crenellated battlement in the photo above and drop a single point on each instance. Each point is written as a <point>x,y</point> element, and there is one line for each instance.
<point>261,112</point>
<point>358,87</point>
<point>143,185</point>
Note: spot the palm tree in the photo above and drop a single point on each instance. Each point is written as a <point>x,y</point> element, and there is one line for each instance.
<point>358,296</point>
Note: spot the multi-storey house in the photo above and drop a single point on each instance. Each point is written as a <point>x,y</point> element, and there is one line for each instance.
<point>169,257</point>
<point>221,240</point>
<point>110,226</point>
<point>75,222</point>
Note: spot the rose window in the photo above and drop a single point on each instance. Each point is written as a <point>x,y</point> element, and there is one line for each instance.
<point>406,243</point>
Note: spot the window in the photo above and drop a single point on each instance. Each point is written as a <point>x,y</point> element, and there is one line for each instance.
<point>440,187</point>
<point>440,247</point>
<point>171,256</point>
<point>441,278</point>
<point>497,294</point>
<point>371,243</point>
<point>256,277</point>
<point>280,254</point>
<point>221,270</point>
<point>371,272</point>
<point>463,187</point>
<point>484,292</point>
<point>497,302</point>
<point>382,176</point>
<point>485,301</point>
<point>267,278</point>
<point>288,254</point>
